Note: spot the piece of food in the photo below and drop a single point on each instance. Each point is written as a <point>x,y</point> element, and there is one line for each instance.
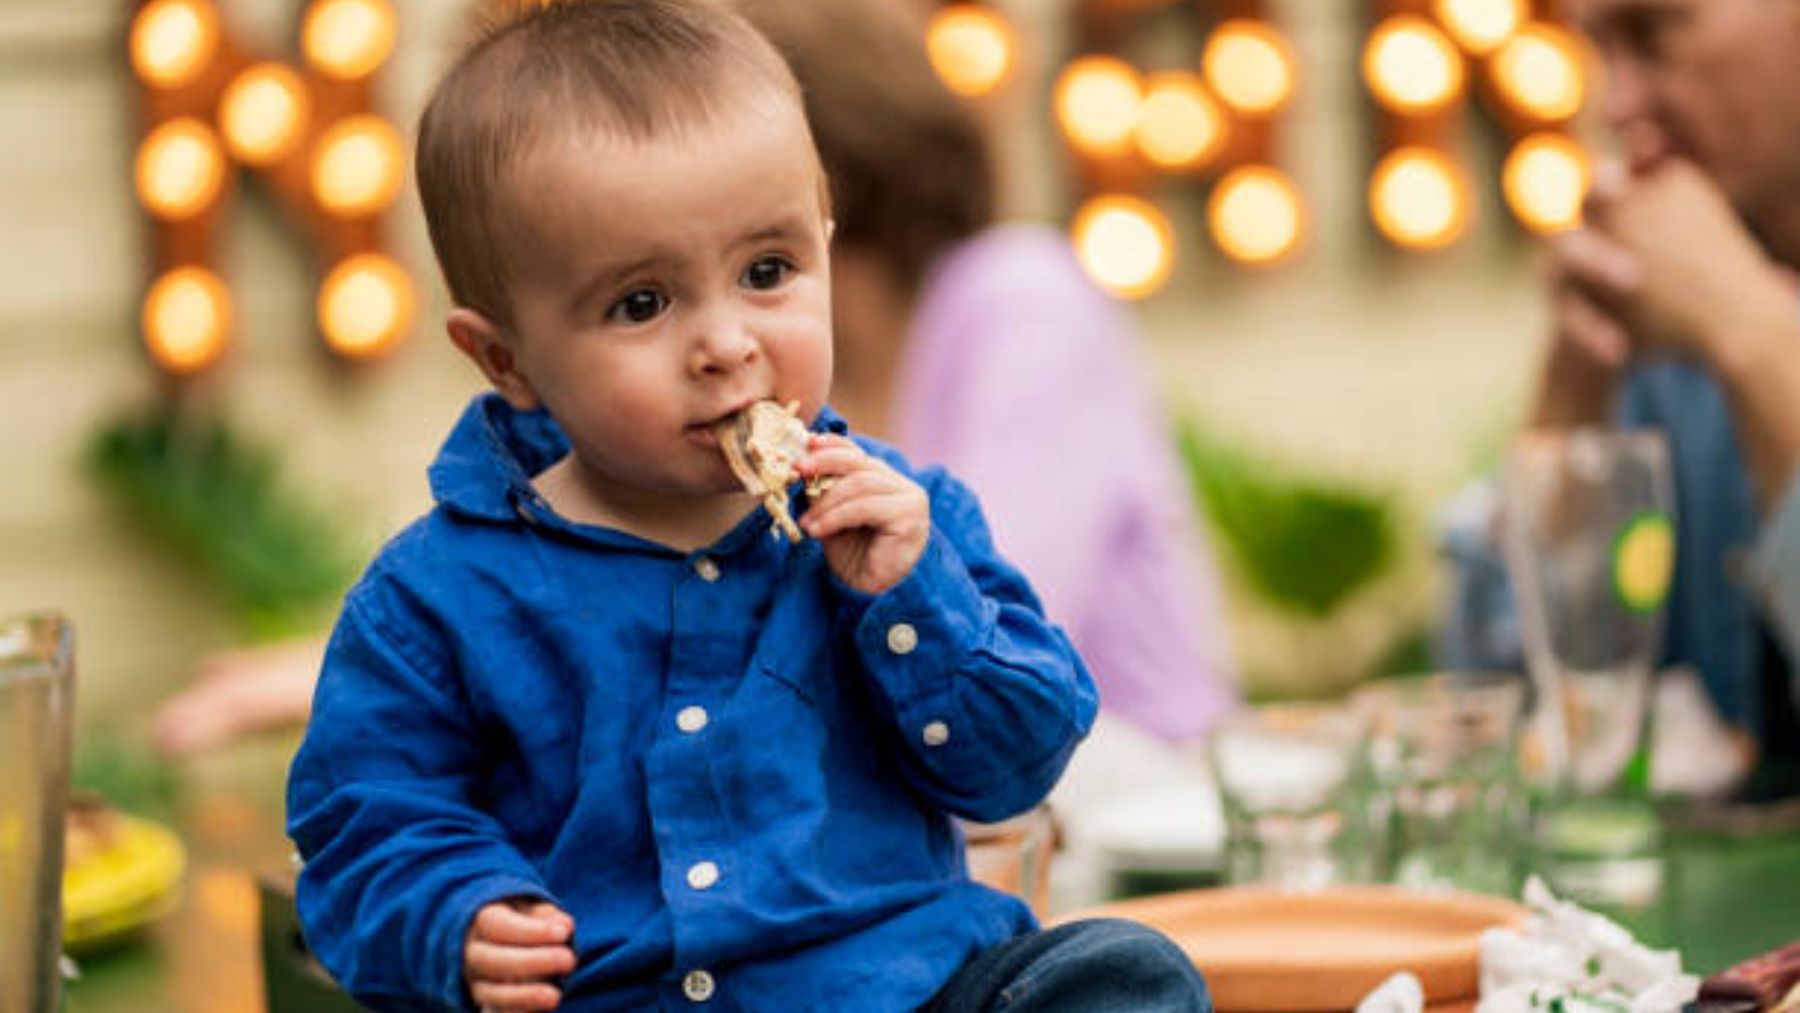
<point>1771,981</point>
<point>1644,561</point>
<point>763,445</point>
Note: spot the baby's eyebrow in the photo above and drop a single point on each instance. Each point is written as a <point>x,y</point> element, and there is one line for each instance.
<point>785,228</point>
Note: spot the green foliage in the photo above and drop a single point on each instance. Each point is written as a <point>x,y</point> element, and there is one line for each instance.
<point>1305,545</point>
<point>126,773</point>
<point>213,496</point>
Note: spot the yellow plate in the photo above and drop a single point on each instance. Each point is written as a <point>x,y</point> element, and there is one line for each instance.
<point>132,881</point>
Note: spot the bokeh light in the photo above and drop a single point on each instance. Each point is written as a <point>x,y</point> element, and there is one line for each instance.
<point>1412,67</point>
<point>1125,244</point>
<point>187,319</point>
<point>357,166</point>
<point>1097,101</point>
<point>1419,199</point>
<point>1480,26</point>
<point>971,47</point>
<point>365,306</point>
<point>1179,125</point>
<point>1249,67</point>
<point>180,169</point>
<point>262,112</point>
<point>1255,215</point>
<point>172,41</point>
<point>347,39</point>
<point>1538,73</point>
<point>1545,179</point>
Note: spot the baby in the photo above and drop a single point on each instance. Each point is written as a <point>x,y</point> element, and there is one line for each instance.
<point>587,736</point>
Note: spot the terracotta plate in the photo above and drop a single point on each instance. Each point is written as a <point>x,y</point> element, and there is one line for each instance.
<point>1264,951</point>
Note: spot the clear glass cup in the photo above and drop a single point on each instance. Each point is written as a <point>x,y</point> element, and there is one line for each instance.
<point>1013,856</point>
<point>36,705</point>
<point>1590,549</point>
<point>1292,780</point>
<point>1443,751</point>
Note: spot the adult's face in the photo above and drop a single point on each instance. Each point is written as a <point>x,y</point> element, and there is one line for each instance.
<point>1713,81</point>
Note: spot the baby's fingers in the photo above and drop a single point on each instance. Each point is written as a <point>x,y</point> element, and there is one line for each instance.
<point>493,997</point>
<point>877,511</point>
<point>535,924</point>
<point>517,963</point>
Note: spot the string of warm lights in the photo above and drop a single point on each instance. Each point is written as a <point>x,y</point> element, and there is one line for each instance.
<point>307,131</point>
<point>1529,71</point>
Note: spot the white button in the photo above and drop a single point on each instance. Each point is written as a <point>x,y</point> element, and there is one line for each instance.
<point>935,734</point>
<point>691,719</point>
<point>702,875</point>
<point>707,569</point>
<point>697,986</point>
<point>902,638</point>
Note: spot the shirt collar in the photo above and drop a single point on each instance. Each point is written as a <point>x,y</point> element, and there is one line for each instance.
<point>485,466</point>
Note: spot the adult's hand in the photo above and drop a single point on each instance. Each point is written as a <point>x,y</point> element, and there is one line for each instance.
<point>1702,285</point>
<point>1589,338</point>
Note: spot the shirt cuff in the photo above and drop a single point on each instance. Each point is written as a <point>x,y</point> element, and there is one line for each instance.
<point>914,636</point>
<point>1775,568</point>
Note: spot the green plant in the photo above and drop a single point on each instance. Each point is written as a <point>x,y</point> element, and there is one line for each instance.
<point>1305,545</point>
<point>216,498</point>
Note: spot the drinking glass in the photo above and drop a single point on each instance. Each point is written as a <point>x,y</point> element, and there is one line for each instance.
<point>1290,777</point>
<point>36,702</point>
<point>1443,750</point>
<point>1590,549</point>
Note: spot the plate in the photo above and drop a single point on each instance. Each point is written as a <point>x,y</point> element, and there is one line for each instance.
<point>1266,951</point>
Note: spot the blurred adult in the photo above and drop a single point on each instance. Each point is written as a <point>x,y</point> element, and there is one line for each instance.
<point>985,348</point>
<point>1675,307</point>
<point>981,347</point>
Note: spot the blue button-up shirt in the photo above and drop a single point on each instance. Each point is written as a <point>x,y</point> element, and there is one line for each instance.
<point>734,771</point>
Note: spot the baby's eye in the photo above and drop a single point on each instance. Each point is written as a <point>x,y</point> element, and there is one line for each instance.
<point>766,273</point>
<point>637,307</point>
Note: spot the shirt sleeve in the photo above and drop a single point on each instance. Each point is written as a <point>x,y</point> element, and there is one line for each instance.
<point>398,855</point>
<point>987,697</point>
<point>1775,571</point>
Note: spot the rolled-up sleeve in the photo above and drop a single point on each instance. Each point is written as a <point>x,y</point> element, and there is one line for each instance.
<point>988,698</point>
<point>398,856</point>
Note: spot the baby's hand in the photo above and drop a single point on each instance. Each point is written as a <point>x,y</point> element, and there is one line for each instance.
<point>872,522</point>
<point>513,949</point>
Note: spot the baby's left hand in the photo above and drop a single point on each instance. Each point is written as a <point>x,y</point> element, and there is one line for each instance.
<point>872,522</point>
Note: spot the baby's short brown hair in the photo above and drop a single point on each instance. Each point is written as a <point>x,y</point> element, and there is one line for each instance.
<point>635,69</point>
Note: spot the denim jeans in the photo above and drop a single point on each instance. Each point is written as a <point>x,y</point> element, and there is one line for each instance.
<point>1096,966</point>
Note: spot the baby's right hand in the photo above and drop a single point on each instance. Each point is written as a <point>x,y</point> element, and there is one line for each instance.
<point>514,947</point>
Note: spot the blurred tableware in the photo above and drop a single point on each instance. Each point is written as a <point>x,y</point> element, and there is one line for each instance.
<point>122,874</point>
<point>1590,548</point>
<point>1013,856</point>
<point>1443,751</point>
<point>1265,950</point>
<point>1290,777</point>
<point>37,686</point>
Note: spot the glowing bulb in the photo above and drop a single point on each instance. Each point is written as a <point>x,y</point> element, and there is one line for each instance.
<point>356,167</point>
<point>1097,103</point>
<point>261,113</point>
<point>1255,215</point>
<point>172,41</point>
<point>1538,72</point>
<point>1247,64</point>
<point>1412,67</point>
<point>1419,199</point>
<point>1480,26</point>
<point>365,305</point>
<point>1125,244</point>
<point>347,39</point>
<point>180,169</point>
<point>1179,125</point>
<point>1545,180</point>
<point>187,316</point>
<point>971,47</point>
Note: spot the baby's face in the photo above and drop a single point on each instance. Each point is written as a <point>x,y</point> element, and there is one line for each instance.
<point>663,285</point>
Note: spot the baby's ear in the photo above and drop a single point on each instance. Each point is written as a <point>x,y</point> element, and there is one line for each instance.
<point>490,348</point>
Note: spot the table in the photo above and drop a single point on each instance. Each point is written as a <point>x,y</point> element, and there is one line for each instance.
<point>1729,897</point>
